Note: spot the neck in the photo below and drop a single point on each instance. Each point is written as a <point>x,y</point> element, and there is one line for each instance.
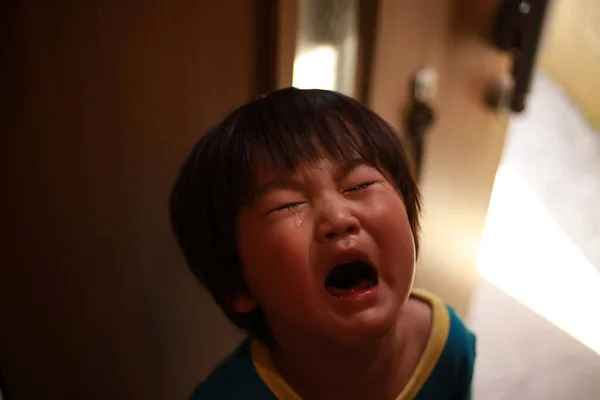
<point>328,369</point>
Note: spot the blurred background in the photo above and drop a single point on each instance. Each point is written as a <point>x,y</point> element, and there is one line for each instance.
<point>498,101</point>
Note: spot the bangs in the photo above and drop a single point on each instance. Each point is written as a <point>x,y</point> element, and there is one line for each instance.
<point>293,127</point>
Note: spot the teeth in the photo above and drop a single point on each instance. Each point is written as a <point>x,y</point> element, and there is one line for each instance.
<point>362,285</point>
<point>359,287</point>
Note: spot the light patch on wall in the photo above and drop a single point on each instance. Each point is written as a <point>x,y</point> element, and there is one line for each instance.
<point>315,68</point>
<point>591,27</point>
<point>526,254</point>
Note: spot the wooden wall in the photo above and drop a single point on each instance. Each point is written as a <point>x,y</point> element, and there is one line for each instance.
<point>101,101</point>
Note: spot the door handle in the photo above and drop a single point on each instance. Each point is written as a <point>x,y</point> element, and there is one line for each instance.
<point>420,114</point>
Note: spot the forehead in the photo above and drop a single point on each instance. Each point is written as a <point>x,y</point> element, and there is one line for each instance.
<point>263,174</point>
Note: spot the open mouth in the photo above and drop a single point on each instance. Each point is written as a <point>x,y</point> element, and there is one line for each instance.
<point>350,278</point>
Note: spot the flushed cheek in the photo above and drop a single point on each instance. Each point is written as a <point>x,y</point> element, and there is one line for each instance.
<point>390,229</point>
<point>276,264</point>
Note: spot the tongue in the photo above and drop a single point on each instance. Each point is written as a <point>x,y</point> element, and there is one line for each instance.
<point>361,286</point>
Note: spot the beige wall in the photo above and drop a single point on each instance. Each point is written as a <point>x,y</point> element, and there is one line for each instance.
<point>571,53</point>
<point>464,146</point>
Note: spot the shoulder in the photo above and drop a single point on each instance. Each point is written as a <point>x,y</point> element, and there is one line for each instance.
<point>461,340</point>
<point>452,373</point>
<point>460,346</point>
<point>457,361</point>
<point>234,378</point>
<point>447,326</point>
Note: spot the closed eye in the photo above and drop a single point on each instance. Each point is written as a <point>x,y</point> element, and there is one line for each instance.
<point>288,207</point>
<point>358,188</point>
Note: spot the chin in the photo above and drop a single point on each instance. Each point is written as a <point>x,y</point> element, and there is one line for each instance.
<point>365,326</point>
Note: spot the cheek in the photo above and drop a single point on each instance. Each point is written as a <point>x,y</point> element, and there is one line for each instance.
<point>274,258</point>
<point>390,228</point>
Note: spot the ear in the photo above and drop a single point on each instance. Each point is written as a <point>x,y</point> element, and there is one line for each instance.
<point>244,303</point>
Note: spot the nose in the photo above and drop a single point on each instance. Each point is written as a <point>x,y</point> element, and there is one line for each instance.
<point>336,221</point>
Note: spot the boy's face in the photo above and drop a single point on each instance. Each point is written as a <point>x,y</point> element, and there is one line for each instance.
<point>327,251</point>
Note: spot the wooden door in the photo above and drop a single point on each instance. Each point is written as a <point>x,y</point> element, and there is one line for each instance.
<point>101,101</point>
<point>463,149</point>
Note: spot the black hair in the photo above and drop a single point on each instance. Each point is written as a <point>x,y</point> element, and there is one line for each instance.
<point>281,130</point>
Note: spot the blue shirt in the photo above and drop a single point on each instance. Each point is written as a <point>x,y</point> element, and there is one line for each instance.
<point>444,371</point>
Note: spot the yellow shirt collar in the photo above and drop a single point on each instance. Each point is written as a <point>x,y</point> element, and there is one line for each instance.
<point>438,336</point>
